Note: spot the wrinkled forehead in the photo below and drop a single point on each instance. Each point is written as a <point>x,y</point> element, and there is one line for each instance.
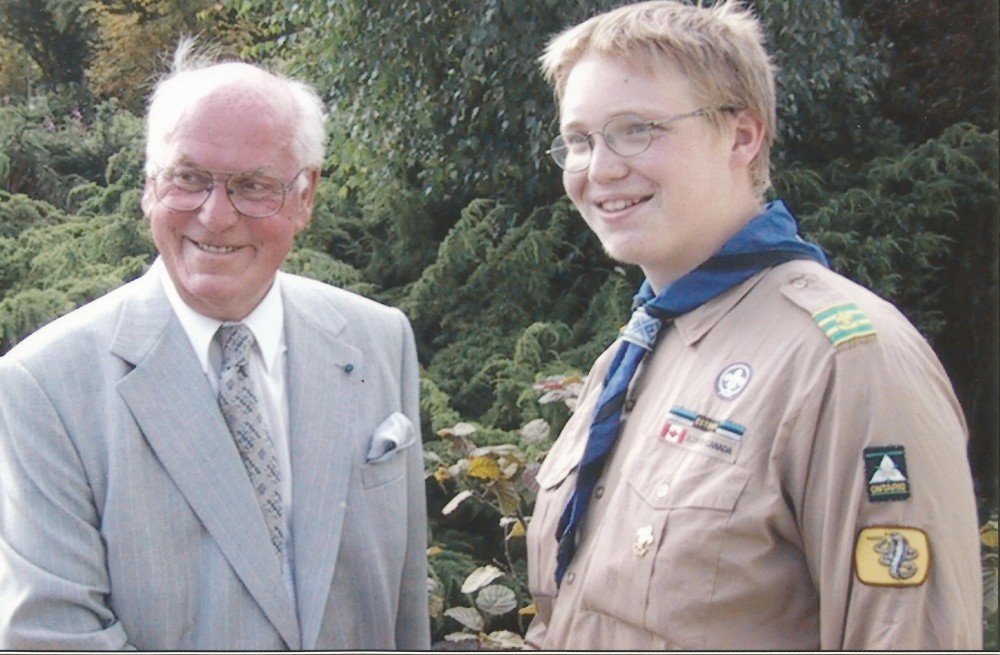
<point>232,95</point>
<point>252,109</point>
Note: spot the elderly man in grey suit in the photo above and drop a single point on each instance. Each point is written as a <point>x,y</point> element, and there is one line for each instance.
<point>217,455</point>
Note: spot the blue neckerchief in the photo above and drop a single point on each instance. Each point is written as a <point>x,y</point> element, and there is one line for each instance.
<point>768,239</point>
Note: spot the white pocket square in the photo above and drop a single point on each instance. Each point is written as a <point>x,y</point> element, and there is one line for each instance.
<point>393,435</point>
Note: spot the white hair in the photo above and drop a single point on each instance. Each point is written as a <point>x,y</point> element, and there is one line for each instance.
<point>197,74</point>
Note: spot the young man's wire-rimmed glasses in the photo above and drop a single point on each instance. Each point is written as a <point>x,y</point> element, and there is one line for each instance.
<point>626,136</point>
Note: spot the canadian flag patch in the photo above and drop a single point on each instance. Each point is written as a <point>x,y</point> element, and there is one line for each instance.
<point>674,433</point>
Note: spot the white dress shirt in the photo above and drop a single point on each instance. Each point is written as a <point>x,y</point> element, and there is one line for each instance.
<point>267,366</point>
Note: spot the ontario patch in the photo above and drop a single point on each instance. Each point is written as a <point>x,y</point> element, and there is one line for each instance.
<point>885,473</point>
<point>892,556</point>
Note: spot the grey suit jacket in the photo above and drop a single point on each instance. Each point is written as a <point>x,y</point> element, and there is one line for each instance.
<point>127,519</point>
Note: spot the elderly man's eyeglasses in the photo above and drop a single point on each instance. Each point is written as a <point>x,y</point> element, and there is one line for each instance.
<point>185,189</point>
<point>626,136</point>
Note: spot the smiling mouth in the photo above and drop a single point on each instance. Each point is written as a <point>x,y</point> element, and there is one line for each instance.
<point>619,205</point>
<point>219,250</point>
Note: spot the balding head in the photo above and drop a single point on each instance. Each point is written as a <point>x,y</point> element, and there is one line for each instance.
<point>195,78</point>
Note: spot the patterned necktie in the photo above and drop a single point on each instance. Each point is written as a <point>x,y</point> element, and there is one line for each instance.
<point>240,402</point>
<point>639,337</point>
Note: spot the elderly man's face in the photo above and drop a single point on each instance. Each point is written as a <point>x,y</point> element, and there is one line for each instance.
<point>223,262</point>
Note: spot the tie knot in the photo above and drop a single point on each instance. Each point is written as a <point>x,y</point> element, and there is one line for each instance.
<point>642,329</point>
<point>236,340</point>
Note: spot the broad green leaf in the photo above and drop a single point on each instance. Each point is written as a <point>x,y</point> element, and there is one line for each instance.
<point>503,640</point>
<point>467,616</point>
<point>455,502</point>
<point>480,578</point>
<point>496,599</point>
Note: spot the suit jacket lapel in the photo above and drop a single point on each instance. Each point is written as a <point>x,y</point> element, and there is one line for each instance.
<point>193,444</point>
<point>321,410</point>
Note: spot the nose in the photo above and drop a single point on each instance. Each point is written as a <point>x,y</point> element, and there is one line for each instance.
<point>217,213</point>
<point>605,163</point>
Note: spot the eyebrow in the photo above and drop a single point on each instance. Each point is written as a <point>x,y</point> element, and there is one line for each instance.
<point>574,126</point>
<point>184,161</point>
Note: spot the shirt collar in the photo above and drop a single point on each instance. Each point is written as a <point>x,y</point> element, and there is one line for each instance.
<point>266,322</point>
<point>695,324</point>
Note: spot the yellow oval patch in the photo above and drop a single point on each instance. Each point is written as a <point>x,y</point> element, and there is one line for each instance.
<point>892,556</point>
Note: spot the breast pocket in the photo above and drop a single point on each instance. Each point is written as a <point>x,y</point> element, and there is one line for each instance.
<point>376,474</point>
<point>388,450</point>
<point>660,545</point>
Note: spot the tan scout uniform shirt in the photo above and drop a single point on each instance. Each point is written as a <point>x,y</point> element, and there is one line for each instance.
<point>757,496</point>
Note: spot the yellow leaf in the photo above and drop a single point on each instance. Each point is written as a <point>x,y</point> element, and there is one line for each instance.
<point>435,605</point>
<point>434,550</point>
<point>442,474</point>
<point>508,468</point>
<point>484,467</point>
<point>527,611</point>
<point>517,531</point>
<point>988,533</point>
<point>510,500</point>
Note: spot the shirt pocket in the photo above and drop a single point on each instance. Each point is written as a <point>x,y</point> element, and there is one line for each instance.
<point>659,544</point>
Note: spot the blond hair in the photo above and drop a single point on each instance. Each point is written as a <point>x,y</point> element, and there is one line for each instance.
<point>719,49</point>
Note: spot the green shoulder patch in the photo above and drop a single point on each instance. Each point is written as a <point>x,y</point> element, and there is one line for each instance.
<point>843,323</point>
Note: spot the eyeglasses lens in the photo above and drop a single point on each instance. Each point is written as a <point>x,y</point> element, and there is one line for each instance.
<point>625,136</point>
<point>183,189</point>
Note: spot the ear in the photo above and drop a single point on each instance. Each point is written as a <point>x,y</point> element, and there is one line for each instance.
<point>148,197</point>
<point>748,138</point>
<point>306,198</point>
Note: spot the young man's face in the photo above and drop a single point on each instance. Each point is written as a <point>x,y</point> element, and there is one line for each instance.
<point>671,207</point>
<point>223,262</point>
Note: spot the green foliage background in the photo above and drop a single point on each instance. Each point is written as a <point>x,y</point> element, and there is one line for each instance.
<point>438,198</point>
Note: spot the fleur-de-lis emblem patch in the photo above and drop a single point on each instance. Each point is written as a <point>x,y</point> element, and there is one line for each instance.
<point>643,540</point>
<point>732,380</point>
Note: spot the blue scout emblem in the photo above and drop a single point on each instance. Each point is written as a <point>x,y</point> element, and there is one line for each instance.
<point>732,380</point>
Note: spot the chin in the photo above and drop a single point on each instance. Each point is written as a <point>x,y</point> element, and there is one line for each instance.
<point>624,253</point>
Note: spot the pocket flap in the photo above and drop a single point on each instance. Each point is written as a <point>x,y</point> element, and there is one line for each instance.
<point>699,483</point>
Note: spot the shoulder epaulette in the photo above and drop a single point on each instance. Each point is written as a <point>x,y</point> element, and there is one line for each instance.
<point>843,323</point>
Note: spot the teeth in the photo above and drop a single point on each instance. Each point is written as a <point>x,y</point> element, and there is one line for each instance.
<point>617,205</point>
<point>217,249</point>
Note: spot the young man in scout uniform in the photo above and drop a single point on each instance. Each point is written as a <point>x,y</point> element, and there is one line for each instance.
<point>770,457</point>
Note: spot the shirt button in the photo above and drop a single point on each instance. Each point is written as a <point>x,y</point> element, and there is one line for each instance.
<point>629,404</point>
<point>799,283</point>
<point>663,490</point>
<point>599,491</point>
<point>570,577</point>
